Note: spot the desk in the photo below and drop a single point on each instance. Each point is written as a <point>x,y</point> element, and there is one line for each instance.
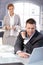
<point>6,49</point>
<point>1,32</point>
<point>7,56</point>
<point>11,58</point>
<point>1,35</point>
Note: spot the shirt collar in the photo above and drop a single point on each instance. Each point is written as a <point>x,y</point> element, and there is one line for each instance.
<point>30,36</point>
<point>11,16</point>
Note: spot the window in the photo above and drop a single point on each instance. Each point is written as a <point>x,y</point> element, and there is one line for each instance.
<point>27,10</point>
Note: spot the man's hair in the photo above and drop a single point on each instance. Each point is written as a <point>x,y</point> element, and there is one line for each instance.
<point>9,5</point>
<point>31,21</point>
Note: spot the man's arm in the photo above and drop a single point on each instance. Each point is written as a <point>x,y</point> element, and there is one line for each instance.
<point>19,47</point>
<point>19,43</point>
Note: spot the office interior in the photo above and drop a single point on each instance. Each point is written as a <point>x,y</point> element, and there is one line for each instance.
<point>25,9</point>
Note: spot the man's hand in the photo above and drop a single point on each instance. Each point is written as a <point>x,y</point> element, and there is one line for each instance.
<point>23,54</point>
<point>23,33</point>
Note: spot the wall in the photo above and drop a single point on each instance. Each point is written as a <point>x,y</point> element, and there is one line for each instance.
<point>3,4</point>
<point>41,12</point>
<point>2,9</point>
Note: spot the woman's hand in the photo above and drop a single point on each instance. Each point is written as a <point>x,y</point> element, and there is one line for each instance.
<point>7,27</point>
<point>13,27</point>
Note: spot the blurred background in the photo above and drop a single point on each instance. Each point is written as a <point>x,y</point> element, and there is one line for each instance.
<point>25,9</point>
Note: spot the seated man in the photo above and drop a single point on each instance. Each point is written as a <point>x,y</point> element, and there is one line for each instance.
<point>28,40</point>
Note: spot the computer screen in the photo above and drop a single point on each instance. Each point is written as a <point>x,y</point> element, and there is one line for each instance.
<point>1,23</point>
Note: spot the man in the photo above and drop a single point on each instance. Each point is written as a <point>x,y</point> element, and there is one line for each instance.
<point>11,23</point>
<point>28,40</point>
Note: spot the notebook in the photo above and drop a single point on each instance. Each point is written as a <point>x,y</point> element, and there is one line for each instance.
<point>37,55</point>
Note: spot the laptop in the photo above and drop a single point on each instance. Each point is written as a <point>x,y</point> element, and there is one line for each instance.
<point>1,23</point>
<point>37,55</point>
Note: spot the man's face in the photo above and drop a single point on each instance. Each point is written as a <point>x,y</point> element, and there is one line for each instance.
<point>30,28</point>
<point>11,10</point>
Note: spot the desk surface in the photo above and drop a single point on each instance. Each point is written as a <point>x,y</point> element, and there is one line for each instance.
<point>10,57</point>
<point>7,55</point>
<point>2,30</point>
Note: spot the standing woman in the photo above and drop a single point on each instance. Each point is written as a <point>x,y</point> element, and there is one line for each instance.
<point>11,25</point>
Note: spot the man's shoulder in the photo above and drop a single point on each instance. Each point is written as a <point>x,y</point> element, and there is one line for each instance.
<point>39,35</point>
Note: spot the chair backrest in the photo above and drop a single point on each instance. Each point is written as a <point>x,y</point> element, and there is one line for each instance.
<point>1,34</point>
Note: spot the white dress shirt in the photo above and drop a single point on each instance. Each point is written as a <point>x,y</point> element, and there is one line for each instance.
<point>27,39</point>
<point>11,24</point>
